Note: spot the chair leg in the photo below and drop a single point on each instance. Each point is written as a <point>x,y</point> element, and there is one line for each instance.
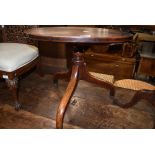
<point>148,95</point>
<point>13,87</point>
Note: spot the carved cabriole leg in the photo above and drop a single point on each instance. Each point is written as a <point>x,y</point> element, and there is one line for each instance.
<point>66,97</point>
<point>13,87</point>
<point>148,95</point>
<point>78,59</point>
<point>79,72</point>
<point>85,75</point>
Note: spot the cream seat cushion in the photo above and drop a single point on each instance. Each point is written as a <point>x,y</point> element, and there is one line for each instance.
<point>16,55</point>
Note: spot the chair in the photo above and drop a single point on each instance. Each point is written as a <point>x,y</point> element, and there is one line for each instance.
<point>143,90</point>
<point>103,77</point>
<point>17,56</point>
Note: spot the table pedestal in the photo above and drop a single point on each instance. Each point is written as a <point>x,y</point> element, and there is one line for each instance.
<point>76,73</point>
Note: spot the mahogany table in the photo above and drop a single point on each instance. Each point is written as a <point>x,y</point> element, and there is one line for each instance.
<point>78,37</point>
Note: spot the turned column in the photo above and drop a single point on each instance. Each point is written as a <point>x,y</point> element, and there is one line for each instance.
<point>78,72</point>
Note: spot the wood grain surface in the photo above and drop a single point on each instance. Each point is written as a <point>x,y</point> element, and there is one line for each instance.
<point>78,35</point>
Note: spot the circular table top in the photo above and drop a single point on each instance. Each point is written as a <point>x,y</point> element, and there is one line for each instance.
<point>78,35</point>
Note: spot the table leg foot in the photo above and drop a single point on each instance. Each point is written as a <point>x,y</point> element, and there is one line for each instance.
<point>66,98</point>
<point>61,75</point>
<point>78,60</point>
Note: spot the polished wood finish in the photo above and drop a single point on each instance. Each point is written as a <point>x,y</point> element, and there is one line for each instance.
<point>113,59</point>
<point>66,97</point>
<point>79,72</point>
<point>19,71</point>
<point>12,79</point>
<point>78,36</point>
<point>16,34</point>
<point>129,50</point>
<point>147,66</point>
<point>52,50</point>
<point>111,64</point>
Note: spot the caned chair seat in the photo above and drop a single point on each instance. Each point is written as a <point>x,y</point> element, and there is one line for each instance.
<point>103,77</point>
<point>142,90</point>
<point>134,84</point>
<point>16,55</point>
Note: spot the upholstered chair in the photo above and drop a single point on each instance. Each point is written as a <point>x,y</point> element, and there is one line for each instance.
<point>17,56</point>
